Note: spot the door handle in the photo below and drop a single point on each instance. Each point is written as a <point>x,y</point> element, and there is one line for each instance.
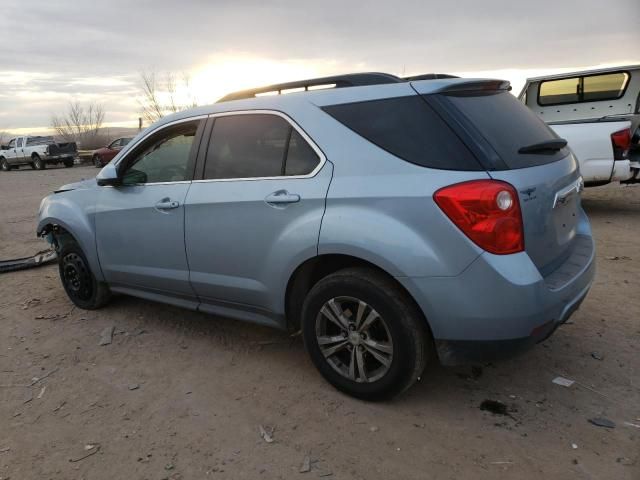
<point>281,197</point>
<point>167,204</point>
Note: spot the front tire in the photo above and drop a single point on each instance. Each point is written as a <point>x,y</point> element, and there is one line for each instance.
<point>68,163</point>
<point>365,334</point>
<point>4,165</point>
<point>77,279</point>
<point>38,163</point>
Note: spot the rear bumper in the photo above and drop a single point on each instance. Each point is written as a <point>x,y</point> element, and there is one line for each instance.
<point>501,305</point>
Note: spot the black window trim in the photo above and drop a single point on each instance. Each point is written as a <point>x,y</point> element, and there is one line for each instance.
<point>581,83</point>
<point>134,149</point>
<point>200,169</point>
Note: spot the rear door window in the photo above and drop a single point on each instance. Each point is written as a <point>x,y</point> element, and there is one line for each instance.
<point>257,146</point>
<point>408,128</point>
<point>507,125</point>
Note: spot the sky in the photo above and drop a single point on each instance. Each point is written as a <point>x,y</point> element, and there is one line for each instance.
<point>77,50</point>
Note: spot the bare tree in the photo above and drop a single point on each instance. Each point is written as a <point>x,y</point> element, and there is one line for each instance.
<point>80,124</point>
<point>4,136</point>
<point>160,97</point>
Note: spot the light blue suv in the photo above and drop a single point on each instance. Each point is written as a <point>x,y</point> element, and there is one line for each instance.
<point>391,220</point>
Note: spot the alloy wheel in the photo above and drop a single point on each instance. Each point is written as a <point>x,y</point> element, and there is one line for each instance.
<point>354,339</point>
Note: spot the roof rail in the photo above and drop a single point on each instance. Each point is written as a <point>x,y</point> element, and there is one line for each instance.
<point>336,81</point>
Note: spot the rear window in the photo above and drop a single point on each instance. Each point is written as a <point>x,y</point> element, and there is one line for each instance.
<point>589,88</point>
<point>507,125</point>
<point>408,128</point>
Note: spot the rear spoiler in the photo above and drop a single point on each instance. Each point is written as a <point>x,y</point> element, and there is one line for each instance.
<point>472,85</point>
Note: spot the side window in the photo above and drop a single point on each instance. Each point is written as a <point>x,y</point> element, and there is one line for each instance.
<point>606,86</point>
<point>20,141</point>
<point>408,128</point>
<point>115,144</point>
<point>162,158</point>
<point>12,143</point>
<point>257,146</point>
<point>555,92</point>
<point>301,158</point>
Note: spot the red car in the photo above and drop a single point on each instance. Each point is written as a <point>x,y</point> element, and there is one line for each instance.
<point>104,155</point>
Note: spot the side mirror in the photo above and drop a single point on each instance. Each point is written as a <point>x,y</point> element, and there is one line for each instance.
<point>108,176</point>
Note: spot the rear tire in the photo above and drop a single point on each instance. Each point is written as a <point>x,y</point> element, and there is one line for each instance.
<point>68,163</point>
<point>372,363</point>
<point>38,163</point>
<point>97,162</point>
<point>77,279</point>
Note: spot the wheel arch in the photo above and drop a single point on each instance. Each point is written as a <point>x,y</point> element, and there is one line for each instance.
<point>62,219</point>
<point>312,270</point>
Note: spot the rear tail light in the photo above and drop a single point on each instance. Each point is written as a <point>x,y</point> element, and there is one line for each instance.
<point>487,211</point>
<point>621,141</point>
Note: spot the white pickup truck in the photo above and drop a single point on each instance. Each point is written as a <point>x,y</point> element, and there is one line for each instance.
<point>37,152</point>
<point>598,113</point>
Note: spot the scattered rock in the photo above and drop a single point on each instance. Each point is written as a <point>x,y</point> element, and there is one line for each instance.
<point>373,429</point>
<point>597,356</point>
<point>616,257</point>
<point>602,422</point>
<point>106,336</point>
<point>306,464</point>
<point>266,436</point>
<point>574,446</point>
<point>494,406</point>
<point>169,466</point>
<point>134,386</point>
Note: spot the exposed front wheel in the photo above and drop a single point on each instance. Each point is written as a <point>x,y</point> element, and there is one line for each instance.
<point>38,163</point>
<point>77,279</point>
<point>364,334</point>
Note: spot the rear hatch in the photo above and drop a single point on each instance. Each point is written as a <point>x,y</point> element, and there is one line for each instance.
<point>515,146</point>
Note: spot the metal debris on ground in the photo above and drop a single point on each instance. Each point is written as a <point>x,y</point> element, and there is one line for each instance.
<point>134,386</point>
<point>268,437</point>
<point>629,424</point>
<point>95,449</point>
<point>616,257</point>
<point>41,392</point>
<point>306,464</point>
<point>563,382</point>
<point>106,336</point>
<point>41,258</point>
<point>602,422</point>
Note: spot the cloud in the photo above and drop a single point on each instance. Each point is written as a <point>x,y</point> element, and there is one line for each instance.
<point>97,49</point>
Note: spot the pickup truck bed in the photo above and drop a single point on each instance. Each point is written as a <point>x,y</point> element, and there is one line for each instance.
<point>590,140</point>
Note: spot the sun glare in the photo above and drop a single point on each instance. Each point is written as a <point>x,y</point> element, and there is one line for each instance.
<point>231,73</point>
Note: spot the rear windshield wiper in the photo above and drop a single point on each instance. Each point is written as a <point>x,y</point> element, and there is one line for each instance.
<point>548,146</point>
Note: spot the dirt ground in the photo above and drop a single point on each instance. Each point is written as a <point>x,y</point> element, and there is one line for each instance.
<point>182,395</point>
